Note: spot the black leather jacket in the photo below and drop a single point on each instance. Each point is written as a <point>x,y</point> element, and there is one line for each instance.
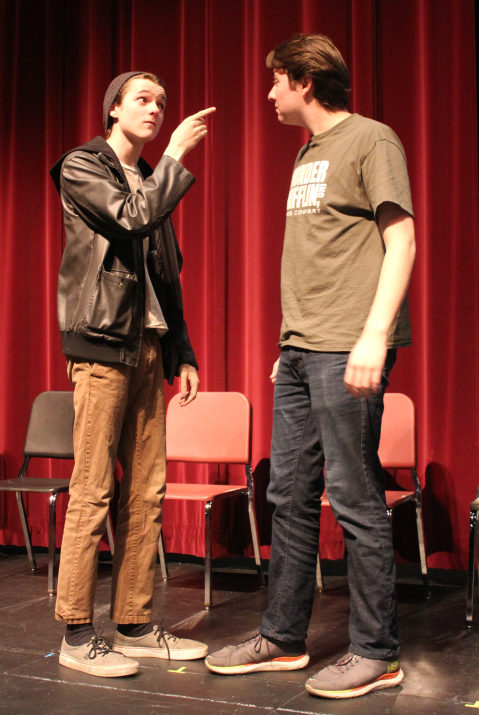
<point>101,285</point>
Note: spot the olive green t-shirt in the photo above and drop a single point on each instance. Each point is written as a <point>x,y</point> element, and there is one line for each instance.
<point>333,250</point>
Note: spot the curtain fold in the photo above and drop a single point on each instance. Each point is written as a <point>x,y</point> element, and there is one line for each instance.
<point>412,66</point>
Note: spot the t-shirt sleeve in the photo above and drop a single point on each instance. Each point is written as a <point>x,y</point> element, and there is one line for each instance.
<point>385,177</point>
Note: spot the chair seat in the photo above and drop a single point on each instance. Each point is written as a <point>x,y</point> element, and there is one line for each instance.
<point>41,485</point>
<point>201,492</point>
<point>394,498</point>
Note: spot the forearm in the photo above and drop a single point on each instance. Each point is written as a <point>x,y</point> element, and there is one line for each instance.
<point>393,281</point>
<point>107,207</point>
<point>366,360</point>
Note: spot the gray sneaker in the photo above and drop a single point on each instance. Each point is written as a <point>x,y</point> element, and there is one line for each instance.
<point>159,644</point>
<point>256,653</point>
<point>97,658</point>
<point>352,676</point>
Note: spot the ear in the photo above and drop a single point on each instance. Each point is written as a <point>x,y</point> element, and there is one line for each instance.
<point>114,111</point>
<point>306,84</point>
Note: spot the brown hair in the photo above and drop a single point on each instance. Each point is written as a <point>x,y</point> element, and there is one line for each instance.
<point>317,57</point>
<point>118,99</point>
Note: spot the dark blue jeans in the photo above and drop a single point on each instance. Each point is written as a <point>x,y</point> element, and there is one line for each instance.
<point>317,423</point>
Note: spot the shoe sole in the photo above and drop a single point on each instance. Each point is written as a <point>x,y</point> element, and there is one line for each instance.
<point>101,672</point>
<point>182,654</point>
<point>284,663</point>
<point>389,680</point>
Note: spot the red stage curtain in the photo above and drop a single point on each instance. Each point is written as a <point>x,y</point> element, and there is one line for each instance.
<point>412,66</point>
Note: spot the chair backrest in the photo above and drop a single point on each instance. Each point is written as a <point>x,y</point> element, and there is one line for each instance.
<point>50,429</point>
<point>214,428</point>
<point>397,447</point>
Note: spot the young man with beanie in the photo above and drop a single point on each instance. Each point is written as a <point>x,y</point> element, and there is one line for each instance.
<point>121,320</point>
<point>348,253</point>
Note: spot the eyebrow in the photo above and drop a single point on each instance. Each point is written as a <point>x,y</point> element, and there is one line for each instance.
<point>160,95</point>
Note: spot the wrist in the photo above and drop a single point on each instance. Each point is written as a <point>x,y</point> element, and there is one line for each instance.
<point>174,152</point>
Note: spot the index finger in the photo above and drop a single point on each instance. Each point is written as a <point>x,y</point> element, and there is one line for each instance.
<point>204,112</point>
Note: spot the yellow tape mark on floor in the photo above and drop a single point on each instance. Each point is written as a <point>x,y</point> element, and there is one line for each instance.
<point>180,670</point>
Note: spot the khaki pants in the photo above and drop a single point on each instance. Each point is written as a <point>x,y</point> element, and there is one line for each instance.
<point>119,413</point>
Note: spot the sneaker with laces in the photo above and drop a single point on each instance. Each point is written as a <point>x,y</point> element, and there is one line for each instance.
<point>352,676</point>
<point>254,654</point>
<point>97,658</point>
<point>159,644</point>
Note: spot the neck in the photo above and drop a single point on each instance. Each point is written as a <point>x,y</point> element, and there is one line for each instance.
<point>318,119</point>
<point>127,150</point>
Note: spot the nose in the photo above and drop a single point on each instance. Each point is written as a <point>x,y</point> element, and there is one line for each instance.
<point>271,95</point>
<point>154,108</point>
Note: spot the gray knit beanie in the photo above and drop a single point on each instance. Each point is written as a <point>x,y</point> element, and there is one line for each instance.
<point>113,88</point>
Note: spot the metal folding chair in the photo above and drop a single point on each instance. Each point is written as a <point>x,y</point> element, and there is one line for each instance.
<point>472,565</point>
<point>397,450</point>
<point>50,435</point>
<point>214,428</point>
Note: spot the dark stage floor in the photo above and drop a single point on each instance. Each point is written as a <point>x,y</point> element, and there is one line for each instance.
<point>440,658</point>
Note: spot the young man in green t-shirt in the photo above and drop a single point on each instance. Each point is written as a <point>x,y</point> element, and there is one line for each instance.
<point>347,258</point>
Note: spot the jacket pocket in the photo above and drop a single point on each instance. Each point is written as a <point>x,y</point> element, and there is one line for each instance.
<point>113,307</point>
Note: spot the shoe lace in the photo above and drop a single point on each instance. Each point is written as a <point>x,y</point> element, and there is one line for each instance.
<point>163,635</point>
<point>258,638</point>
<point>348,661</point>
<point>99,646</point>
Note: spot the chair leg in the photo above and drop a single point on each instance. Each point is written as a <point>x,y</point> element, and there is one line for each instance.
<point>420,532</point>
<point>208,594</point>
<point>254,528</point>
<point>161,556</point>
<point>476,573</point>
<point>471,569</point>
<point>422,550</point>
<point>51,543</point>
<point>319,575</point>
<point>255,540</point>
<point>109,532</point>
<point>26,531</point>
